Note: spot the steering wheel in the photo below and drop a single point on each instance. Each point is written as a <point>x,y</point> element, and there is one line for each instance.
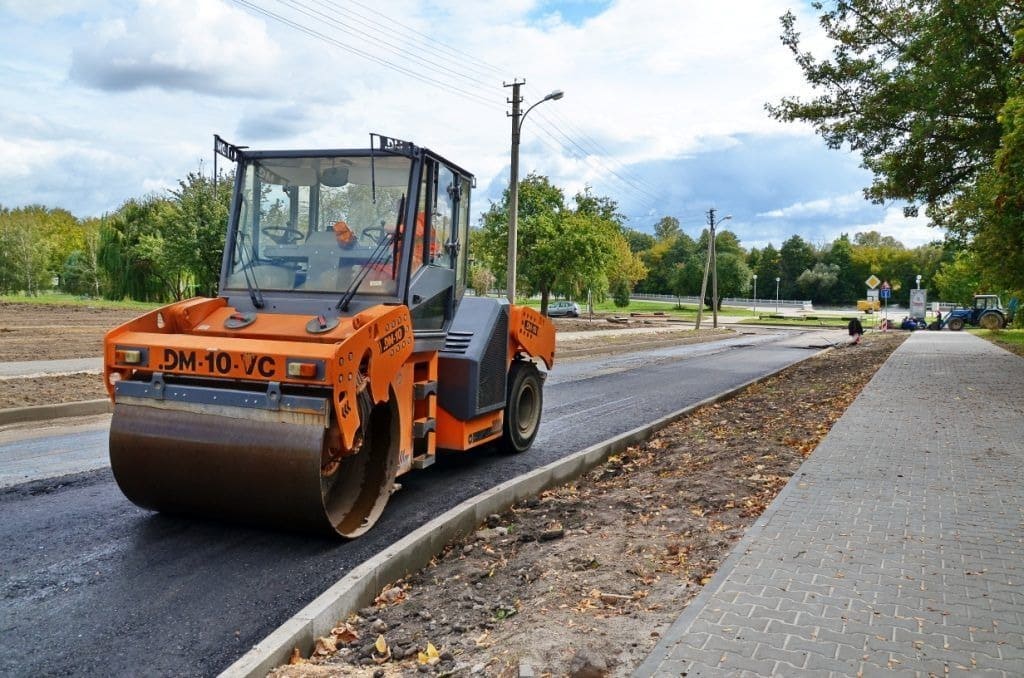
<point>374,234</point>
<point>283,235</point>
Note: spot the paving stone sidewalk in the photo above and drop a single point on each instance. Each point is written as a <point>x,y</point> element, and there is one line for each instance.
<point>896,549</point>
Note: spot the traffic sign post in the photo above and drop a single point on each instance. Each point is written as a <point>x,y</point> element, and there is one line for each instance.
<point>884,293</point>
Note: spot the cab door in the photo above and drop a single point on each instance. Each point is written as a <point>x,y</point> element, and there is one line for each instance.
<point>438,268</point>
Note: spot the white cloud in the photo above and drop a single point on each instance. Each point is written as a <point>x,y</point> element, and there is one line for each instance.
<point>832,206</point>
<point>646,83</point>
<point>196,45</point>
<point>911,231</point>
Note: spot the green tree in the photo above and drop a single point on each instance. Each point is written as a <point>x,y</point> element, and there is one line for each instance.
<point>667,228</point>
<point>625,267</point>
<point>849,282</point>
<point>560,250</point>
<point>913,85</point>
<point>538,198</point>
<point>81,273</point>
<point>817,283</point>
<point>638,240</point>
<point>929,92</point>
<point>768,268</point>
<point>959,280</point>
<point>194,228</point>
<point>796,256</point>
<point>131,252</point>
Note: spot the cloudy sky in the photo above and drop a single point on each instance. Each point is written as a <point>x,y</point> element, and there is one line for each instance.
<point>663,108</point>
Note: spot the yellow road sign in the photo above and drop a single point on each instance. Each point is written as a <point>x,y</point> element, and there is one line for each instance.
<point>872,281</point>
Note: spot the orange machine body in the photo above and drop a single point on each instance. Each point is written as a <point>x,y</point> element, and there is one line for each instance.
<point>193,339</point>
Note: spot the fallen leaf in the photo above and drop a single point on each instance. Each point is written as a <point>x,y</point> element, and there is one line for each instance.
<point>381,645</point>
<point>325,646</point>
<point>345,634</point>
<point>296,657</point>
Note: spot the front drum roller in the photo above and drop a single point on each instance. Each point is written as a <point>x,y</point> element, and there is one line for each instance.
<point>261,472</point>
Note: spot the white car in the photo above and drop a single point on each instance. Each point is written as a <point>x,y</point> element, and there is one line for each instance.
<point>564,309</point>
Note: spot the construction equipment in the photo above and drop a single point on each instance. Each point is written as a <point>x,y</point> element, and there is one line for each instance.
<point>987,312</point>
<point>339,354</point>
<point>868,305</point>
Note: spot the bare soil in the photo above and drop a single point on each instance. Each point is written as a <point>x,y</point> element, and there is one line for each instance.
<point>49,332</point>
<point>582,580</point>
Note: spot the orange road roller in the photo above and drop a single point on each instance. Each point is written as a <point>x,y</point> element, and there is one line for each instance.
<point>340,353</point>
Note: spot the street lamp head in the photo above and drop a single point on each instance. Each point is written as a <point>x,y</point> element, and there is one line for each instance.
<point>554,96</point>
<point>778,279</point>
<point>755,276</point>
<point>727,217</point>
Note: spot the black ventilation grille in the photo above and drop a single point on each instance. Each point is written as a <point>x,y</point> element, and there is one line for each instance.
<point>492,366</point>
<point>457,342</point>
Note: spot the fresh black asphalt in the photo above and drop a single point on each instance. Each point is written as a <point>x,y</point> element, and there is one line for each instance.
<point>92,585</point>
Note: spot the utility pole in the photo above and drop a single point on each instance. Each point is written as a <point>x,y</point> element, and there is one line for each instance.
<point>714,270</point>
<point>707,267</point>
<point>710,264</point>
<point>513,193</point>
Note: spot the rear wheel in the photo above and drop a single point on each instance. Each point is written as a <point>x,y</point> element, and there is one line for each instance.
<point>522,407</point>
<point>991,321</point>
<point>956,324</point>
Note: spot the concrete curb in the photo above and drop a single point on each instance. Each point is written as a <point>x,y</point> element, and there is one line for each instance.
<point>81,408</point>
<point>363,583</point>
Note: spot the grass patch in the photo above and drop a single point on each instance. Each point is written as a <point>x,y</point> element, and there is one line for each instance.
<point>1011,340</point>
<point>57,299</point>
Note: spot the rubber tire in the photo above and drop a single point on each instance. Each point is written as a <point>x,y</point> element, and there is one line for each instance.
<point>956,324</point>
<point>523,406</point>
<point>991,321</point>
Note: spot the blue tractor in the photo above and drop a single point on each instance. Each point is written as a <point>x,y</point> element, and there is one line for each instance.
<point>987,312</point>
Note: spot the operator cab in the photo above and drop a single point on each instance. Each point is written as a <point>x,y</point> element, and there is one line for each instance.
<point>984,302</point>
<point>334,232</point>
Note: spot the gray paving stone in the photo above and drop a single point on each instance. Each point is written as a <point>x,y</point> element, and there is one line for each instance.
<point>898,540</point>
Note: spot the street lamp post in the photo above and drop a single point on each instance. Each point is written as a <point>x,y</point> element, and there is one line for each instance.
<point>919,282</point>
<point>513,185</point>
<point>777,279</point>
<point>755,294</point>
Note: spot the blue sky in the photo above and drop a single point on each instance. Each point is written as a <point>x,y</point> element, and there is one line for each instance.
<point>663,107</point>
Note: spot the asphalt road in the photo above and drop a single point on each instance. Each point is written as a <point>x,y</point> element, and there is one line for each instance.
<point>92,585</point>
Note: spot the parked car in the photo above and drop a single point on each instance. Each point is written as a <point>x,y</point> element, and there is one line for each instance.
<point>564,309</point>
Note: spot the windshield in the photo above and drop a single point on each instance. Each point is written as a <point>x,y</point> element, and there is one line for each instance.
<point>312,224</point>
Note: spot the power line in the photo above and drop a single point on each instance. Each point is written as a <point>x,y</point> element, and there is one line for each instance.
<point>366,55</point>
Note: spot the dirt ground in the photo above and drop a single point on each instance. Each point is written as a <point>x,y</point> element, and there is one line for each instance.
<point>582,580</point>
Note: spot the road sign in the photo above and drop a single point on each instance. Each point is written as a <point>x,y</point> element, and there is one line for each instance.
<point>872,281</point>
<point>885,293</point>
<point>886,285</point>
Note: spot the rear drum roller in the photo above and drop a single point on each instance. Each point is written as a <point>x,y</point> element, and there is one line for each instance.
<point>266,473</point>
<point>522,408</point>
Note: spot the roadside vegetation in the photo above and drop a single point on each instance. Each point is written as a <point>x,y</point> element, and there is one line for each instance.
<point>64,299</point>
<point>1012,340</point>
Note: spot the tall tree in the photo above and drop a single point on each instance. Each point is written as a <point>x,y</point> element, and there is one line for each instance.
<point>768,268</point>
<point>849,283</point>
<point>796,256</point>
<point>667,228</point>
<point>928,92</point>
<point>561,250</point>
<point>913,85</point>
<point>195,226</point>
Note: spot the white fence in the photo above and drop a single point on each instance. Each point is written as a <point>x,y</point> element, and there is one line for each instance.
<point>766,304</point>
